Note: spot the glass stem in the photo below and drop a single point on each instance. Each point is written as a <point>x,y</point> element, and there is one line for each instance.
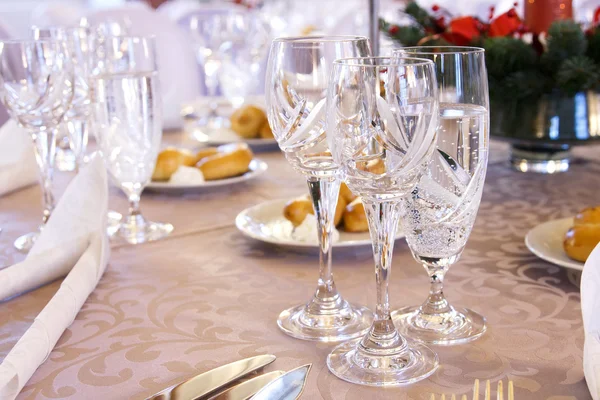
<point>383,219</point>
<point>45,152</point>
<point>78,134</point>
<point>211,70</point>
<point>436,303</point>
<point>134,204</point>
<point>324,194</point>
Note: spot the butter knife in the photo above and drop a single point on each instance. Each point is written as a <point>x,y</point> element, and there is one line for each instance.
<point>207,382</point>
<point>245,390</point>
<point>288,386</point>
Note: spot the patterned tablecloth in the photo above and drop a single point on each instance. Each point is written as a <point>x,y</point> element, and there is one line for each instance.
<point>167,310</point>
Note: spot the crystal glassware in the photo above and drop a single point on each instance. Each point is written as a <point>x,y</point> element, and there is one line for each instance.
<point>218,35</point>
<point>441,211</point>
<point>127,113</point>
<point>36,87</point>
<point>296,85</point>
<point>78,42</point>
<point>381,119</point>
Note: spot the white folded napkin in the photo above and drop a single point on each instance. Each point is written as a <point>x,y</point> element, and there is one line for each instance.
<point>590,308</point>
<point>17,160</point>
<point>73,240</point>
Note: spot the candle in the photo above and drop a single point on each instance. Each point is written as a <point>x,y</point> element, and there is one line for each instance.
<point>539,14</point>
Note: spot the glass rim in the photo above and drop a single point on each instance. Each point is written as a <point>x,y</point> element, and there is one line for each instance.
<point>440,50</point>
<point>394,61</point>
<point>62,27</point>
<point>30,41</point>
<point>320,39</point>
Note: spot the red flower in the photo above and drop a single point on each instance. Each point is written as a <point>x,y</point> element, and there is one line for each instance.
<point>393,29</point>
<point>463,30</point>
<point>435,8</point>
<point>597,16</point>
<point>506,24</point>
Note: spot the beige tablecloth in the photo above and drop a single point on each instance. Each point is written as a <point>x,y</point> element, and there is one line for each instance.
<point>167,310</point>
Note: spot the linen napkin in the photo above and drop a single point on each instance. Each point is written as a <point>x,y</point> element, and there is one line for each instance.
<point>74,241</point>
<point>17,160</point>
<point>590,308</point>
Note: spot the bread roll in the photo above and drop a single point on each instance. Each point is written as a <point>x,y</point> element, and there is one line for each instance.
<point>167,163</point>
<point>355,219</point>
<point>590,215</point>
<point>346,193</point>
<point>265,131</point>
<point>230,161</point>
<point>203,153</point>
<point>296,210</point>
<point>247,121</point>
<point>580,240</point>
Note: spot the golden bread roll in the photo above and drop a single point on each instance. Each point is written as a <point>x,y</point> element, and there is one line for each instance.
<point>355,219</point>
<point>590,215</point>
<point>580,240</point>
<point>167,163</point>
<point>230,161</point>
<point>346,193</point>
<point>296,210</point>
<point>203,153</point>
<point>265,131</point>
<point>247,121</point>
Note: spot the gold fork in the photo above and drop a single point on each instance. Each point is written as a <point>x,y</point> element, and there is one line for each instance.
<point>488,392</point>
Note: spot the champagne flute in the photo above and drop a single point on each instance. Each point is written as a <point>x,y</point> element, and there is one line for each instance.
<point>78,42</point>
<point>296,86</point>
<point>36,87</point>
<point>127,113</point>
<point>441,211</point>
<point>381,119</point>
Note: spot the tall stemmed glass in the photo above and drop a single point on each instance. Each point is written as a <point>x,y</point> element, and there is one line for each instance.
<point>127,113</point>
<point>441,211</point>
<point>36,87</point>
<point>296,86</point>
<point>219,34</point>
<point>381,119</point>
<point>78,42</point>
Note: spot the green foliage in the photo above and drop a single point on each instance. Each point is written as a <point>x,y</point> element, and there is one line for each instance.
<point>570,63</point>
<point>577,74</point>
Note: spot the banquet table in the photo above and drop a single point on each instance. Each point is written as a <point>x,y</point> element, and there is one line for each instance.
<point>165,311</point>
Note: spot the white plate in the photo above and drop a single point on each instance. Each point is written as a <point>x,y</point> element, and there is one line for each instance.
<point>546,242</point>
<point>224,135</point>
<point>265,222</point>
<point>257,167</point>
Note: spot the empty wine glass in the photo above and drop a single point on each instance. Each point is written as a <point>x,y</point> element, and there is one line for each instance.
<point>36,87</point>
<point>127,113</point>
<point>296,86</point>
<point>441,211</point>
<point>78,42</point>
<point>381,119</point>
<point>220,36</point>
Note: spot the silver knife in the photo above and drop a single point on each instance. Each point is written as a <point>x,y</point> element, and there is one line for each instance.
<point>288,386</point>
<point>207,382</point>
<point>245,390</point>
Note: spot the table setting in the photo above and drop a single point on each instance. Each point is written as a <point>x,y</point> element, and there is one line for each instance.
<point>188,205</point>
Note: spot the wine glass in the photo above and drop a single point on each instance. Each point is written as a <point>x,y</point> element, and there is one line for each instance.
<point>441,211</point>
<point>219,34</point>
<point>127,113</point>
<point>78,42</point>
<point>381,118</point>
<point>36,87</point>
<point>296,86</point>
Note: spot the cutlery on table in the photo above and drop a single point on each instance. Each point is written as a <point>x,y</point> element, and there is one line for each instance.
<point>488,392</point>
<point>247,389</point>
<point>210,381</point>
<point>288,386</point>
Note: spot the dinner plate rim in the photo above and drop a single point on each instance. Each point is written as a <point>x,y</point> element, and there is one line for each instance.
<point>260,166</point>
<point>550,226</point>
<point>241,226</point>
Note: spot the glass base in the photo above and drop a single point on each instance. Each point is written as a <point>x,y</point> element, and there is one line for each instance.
<point>25,242</point>
<point>203,129</point>
<point>460,325</point>
<point>349,322</point>
<point>540,160</point>
<point>411,364</point>
<point>114,222</point>
<point>136,229</point>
